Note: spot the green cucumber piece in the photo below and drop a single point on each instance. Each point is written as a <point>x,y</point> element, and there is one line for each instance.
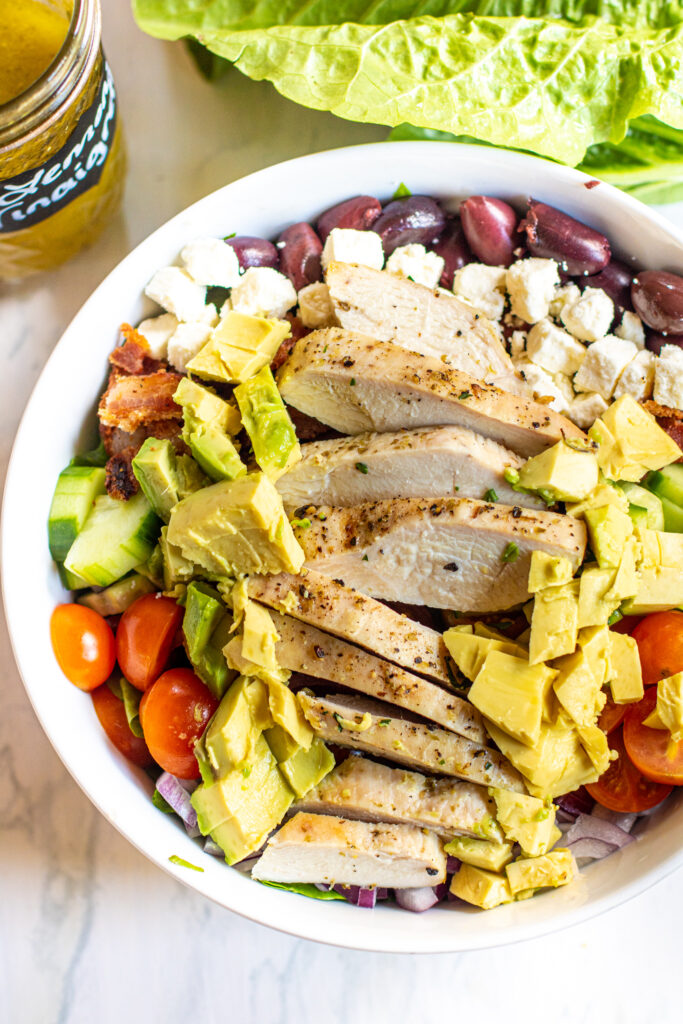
<point>76,490</point>
<point>673,516</point>
<point>70,581</point>
<point>119,596</point>
<point>638,515</point>
<point>642,498</point>
<point>667,483</point>
<point>117,536</point>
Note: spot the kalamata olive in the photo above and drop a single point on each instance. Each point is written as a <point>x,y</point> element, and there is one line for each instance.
<point>300,250</point>
<point>453,249</point>
<point>615,279</point>
<point>254,252</point>
<point>655,341</point>
<point>490,227</point>
<point>555,235</point>
<point>658,300</point>
<point>414,220</point>
<point>359,214</point>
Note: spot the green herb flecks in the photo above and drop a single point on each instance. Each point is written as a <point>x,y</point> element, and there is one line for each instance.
<point>362,467</point>
<point>511,553</point>
<point>175,859</point>
<point>464,395</point>
<point>402,192</point>
<point>303,524</point>
<point>490,495</point>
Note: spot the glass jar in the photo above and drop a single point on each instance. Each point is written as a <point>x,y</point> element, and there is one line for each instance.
<point>62,159</point>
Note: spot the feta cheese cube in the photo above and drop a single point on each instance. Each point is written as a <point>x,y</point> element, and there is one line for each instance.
<point>554,349</point>
<point>346,245</point>
<point>585,409</point>
<point>543,385</point>
<point>631,329</point>
<point>637,378</point>
<point>209,315</point>
<point>517,344</point>
<point>415,262</point>
<point>565,294</point>
<point>315,306</point>
<point>262,291</point>
<point>177,293</point>
<point>211,261</point>
<point>185,343</point>
<point>590,316</point>
<point>156,331</point>
<point>668,388</point>
<point>531,286</point>
<point>483,287</point>
<point>603,365</point>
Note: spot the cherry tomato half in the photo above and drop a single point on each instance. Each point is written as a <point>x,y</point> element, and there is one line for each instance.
<point>660,645</point>
<point>651,750</point>
<point>611,716</point>
<point>173,714</point>
<point>622,787</point>
<point>112,715</point>
<point>145,637</point>
<point>83,643</point>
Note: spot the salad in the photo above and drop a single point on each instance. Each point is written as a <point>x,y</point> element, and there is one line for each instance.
<point>377,567</point>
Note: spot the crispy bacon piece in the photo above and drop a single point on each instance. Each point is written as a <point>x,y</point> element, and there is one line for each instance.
<point>122,447</point>
<point>284,351</point>
<point>309,429</point>
<point>133,355</point>
<point>670,420</point>
<point>131,401</point>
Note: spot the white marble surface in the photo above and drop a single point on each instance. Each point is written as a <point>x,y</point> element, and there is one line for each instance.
<point>89,930</point>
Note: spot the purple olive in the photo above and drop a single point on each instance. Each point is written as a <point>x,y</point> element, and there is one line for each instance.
<point>416,219</point>
<point>615,279</point>
<point>254,252</point>
<point>658,300</point>
<point>359,214</point>
<point>490,227</point>
<point>555,235</point>
<point>454,250</point>
<point>300,250</point>
<point>655,341</point>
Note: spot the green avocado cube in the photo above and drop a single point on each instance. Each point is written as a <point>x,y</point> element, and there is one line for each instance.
<point>155,470</point>
<point>608,529</point>
<point>231,735</point>
<point>304,769</point>
<point>238,347</point>
<point>268,423</point>
<point>562,472</point>
<point>206,627</point>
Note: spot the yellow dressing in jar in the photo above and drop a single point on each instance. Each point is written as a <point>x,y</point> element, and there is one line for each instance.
<point>31,35</point>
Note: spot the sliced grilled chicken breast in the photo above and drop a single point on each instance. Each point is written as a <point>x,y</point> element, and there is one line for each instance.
<point>353,616</point>
<point>363,789</point>
<point>320,848</point>
<point>367,725</point>
<point>303,648</point>
<point>430,462</point>
<point>433,322</point>
<point>355,384</point>
<point>454,553</point>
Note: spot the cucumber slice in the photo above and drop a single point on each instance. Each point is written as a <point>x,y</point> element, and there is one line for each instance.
<point>119,596</point>
<point>667,483</point>
<point>642,498</point>
<point>76,490</point>
<point>117,536</point>
<point>673,516</point>
<point>638,515</point>
<point>69,579</point>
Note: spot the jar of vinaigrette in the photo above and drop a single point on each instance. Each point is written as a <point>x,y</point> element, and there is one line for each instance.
<point>61,152</point>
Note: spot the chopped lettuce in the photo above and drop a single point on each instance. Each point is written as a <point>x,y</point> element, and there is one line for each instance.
<point>305,889</point>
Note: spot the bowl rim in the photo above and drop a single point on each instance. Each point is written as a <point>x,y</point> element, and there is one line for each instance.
<point>278,914</point>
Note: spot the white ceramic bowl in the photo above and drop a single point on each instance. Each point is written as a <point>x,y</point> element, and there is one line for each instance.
<point>59,420</point>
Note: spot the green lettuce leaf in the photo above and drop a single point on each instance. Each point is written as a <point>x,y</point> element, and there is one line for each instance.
<point>573,74</point>
<point>305,889</point>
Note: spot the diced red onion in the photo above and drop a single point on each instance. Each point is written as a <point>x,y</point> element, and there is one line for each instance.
<point>418,899</point>
<point>623,821</point>
<point>452,864</point>
<point>213,848</point>
<point>382,894</point>
<point>578,802</point>
<point>441,891</point>
<point>588,826</point>
<point>176,796</point>
<point>357,895</point>
<point>591,849</point>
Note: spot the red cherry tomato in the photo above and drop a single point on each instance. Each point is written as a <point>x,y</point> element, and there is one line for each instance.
<point>145,637</point>
<point>626,624</point>
<point>660,645</point>
<point>83,644</point>
<point>611,716</point>
<point>173,714</point>
<point>651,750</point>
<point>622,787</point>
<point>112,715</point>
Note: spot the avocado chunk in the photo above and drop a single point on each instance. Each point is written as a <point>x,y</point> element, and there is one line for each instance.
<point>668,712</point>
<point>594,641</point>
<point>175,568</point>
<point>480,852</point>
<point>154,467</point>
<point>513,694</point>
<point>594,742</point>
<point>554,623</point>
<point>238,347</point>
<point>115,599</point>
<point>577,689</point>
<point>190,476</point>
<point>608,531</point>
<point>258,641</point>
<point>626,677</point>
<point>640,498</point>
<point>549,871</point>
<point>202,405</point>
<point>287,713</point>
<point>236,526</point>
<point>304,769</point>
<point>206,627</point>
<point>207,422</point>
<point>660,588</point>
<point>560,473</point>
<point>526,820</point>
<point>604,494</point>
<point>595,604</point>
<point>548,571</point>
<point>231,735</point>
<point>469,650</point>
<point>631,441</point>
<point>280,742</point>
<point>482,888</point>
<point>268,424</point>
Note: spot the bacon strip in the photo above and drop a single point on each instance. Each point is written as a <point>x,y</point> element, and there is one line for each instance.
<point>133,355</point>
<point>131,401</point>
<point>670,420</point>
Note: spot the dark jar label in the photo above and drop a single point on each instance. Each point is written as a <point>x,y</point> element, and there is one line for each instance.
<point>37,194</point>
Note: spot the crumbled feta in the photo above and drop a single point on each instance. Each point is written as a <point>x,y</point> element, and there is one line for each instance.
<point>565,294</point>
<point>585,409</point>
<point>590,316</point>
<point>209,315</point>
<point>346,245</point>
<point>185,343</point>
<point>211,261</point>
<point>542,384</point>
<point>637,378</point>
<point>604,362</point>
<point>156,331</point>
<point>315,306</point>
<point>517,344</point>
<point>177,293</point>
<point>554,349</point>
<point>669,377</point>
<point>415,262</point>
<point>531,286</point>
<point>483,287</point>
<point>262,291</point>
<point>631,329</point>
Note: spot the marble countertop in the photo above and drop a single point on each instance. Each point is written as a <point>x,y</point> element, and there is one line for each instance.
<point>89,930</point>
